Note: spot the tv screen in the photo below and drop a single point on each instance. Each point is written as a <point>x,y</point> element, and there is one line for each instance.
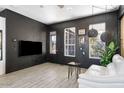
<point>29,48</point>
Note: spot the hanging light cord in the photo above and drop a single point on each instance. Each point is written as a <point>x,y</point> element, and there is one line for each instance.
<point>106,12</point>
<point>92,14</point>
<point>92,10</point>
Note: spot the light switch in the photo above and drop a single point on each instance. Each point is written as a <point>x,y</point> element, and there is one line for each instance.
<point>83,53</point>
<point>81,49</point>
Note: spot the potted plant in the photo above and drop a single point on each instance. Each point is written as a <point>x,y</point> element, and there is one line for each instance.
<point>108,53</point>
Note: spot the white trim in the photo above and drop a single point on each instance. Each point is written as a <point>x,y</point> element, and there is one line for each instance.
<point>65,31</point>
<point>97,26</point>
<point>51,34</point>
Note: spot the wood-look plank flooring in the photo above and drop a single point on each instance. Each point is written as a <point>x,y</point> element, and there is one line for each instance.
<point>46,75</point>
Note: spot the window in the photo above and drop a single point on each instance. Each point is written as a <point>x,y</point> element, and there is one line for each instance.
<point>69,42</point>
<point>53,42</point>
<point>96,42</point>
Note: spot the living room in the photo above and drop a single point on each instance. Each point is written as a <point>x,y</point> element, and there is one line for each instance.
<point>59,46</point>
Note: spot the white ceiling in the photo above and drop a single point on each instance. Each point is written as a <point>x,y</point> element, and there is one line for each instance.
<point>49,14</point>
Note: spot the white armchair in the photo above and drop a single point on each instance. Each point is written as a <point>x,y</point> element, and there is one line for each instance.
<point>99,76</point>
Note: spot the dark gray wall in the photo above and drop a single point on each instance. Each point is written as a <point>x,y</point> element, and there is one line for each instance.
<point>111,20</point>
<point>22,28</point>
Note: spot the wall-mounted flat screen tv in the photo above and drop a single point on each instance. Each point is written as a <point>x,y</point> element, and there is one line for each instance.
<point>29,48</point>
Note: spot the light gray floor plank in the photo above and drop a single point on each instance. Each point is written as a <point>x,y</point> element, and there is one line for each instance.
<point>46,75</point>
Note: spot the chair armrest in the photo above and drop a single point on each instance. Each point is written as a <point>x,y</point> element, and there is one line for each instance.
<point>96,70</point>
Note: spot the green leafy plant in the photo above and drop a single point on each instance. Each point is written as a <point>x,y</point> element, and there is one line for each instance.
<point>108,53</point>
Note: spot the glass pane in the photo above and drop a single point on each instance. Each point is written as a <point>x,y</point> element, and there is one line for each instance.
<point>53,42</point>
<point>95,43</point>
<point>53,38</point>
<point>71,52</point>
<point>70,41</point>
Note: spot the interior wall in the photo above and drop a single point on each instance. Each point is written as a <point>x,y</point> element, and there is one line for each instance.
<point>111,20</point>
<point>20,27</point>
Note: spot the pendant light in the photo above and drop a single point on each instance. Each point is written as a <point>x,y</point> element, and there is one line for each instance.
<point>103,36</point>
<point>92,32</point>
<point>106,36</point>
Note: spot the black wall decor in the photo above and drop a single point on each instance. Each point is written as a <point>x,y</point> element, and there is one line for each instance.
<point>107,37</point>
<point>20,27</point>
<point>92,33</point>
<point>111,20</point>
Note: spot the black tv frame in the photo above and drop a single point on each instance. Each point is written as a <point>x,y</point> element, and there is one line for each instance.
<point>20,50</point>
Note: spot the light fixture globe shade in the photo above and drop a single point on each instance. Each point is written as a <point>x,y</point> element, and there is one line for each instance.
<point>106,37</point>
<point>92,33</point>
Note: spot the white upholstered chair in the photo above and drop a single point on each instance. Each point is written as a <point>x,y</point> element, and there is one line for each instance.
<point>104,77</point>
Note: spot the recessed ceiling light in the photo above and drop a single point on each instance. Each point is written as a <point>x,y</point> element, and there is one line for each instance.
<point>60,6</point>
<point>41,6</point>
<point>69,8</point>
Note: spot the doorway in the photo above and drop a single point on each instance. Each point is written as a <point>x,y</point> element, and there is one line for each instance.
<point>122,36</point>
